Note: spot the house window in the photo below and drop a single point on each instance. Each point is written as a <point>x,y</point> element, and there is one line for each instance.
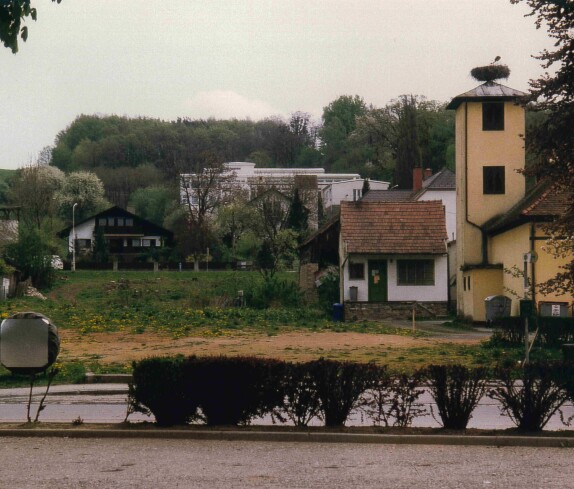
<point>136,243</point>
<point>493,180</point>
<point>356,271</point>
<point>415,272</point>
<point>111,221</point>
<point>493,116</point>
<point>129,221</point>
<point>120,221</point>
<point>357,194</point>
<point>102,221</point>
<point>83,244</point>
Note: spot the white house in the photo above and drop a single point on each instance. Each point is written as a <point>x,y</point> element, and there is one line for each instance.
<point>352,190</point>
<point>393,253</point>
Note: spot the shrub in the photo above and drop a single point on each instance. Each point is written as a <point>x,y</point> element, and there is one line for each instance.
<point>531,400</point>
<point>159,387</point>
<point>340,386</point>
<point>301,402</point>
<point>403,406</point>
<point>509,329</point>
<point>456,391</point>
<point>274,292</point>
<point>554,331</point>
<point>234,390</point>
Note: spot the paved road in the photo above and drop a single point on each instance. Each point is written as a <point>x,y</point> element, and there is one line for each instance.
<point>106,464</point>
<point>106,403</point>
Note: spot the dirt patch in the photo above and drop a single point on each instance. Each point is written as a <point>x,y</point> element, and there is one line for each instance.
<point>120,347</point>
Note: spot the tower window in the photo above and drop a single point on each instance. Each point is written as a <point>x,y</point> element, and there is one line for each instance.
<point>493,116</point>
<point>493,180</point>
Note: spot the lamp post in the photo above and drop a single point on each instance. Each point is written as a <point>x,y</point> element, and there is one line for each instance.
<point>74,237</point>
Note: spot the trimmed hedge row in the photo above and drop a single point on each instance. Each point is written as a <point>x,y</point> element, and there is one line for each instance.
<point>236,390</point>
<point>552,331</point>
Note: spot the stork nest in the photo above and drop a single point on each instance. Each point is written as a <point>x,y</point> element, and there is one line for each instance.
<point>490,72</point>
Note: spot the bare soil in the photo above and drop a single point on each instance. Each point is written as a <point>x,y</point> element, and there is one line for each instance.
<point>123,347</point>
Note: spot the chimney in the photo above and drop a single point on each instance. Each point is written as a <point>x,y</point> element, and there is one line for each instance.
<point>428,173</point>
<point>417,178</point>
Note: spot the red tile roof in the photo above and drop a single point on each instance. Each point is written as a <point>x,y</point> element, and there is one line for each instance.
<point>394,227</point>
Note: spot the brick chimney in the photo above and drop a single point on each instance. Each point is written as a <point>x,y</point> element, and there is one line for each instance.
<point>428,173</point>
<point>417,178</point>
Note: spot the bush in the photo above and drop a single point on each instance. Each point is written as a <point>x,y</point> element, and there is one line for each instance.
<point>274,292</point>
<point>234,390</point>
<point>403,406</point>
<point>301,402</point>
<point>509,329</point>
<point>555,331</point>
<point>531,400</point>
<point>340,386</point>
<point>456,391</point>
<point>159,387</point>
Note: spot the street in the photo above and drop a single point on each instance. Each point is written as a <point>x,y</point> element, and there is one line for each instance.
<point>106,403</point>
<point>29,463</point>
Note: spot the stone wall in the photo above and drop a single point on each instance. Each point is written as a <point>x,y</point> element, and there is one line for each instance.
<point>307,273</point>
<point>373,311</point>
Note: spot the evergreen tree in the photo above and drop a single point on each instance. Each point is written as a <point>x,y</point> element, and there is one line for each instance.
<point>366,186</point>
<point>408,148</point>
<point>298,219</point>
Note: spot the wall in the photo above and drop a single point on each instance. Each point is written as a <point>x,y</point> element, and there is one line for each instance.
<point>448,198</point>
<point>484,282</point>
<point>365,311</point>
<point>424,293</point>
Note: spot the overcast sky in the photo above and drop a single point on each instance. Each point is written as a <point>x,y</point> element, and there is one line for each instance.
<point>246,58</point>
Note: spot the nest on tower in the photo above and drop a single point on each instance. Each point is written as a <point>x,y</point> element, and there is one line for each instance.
<point>490,73</point>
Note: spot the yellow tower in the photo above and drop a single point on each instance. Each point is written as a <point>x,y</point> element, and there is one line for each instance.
<point>489,154</point>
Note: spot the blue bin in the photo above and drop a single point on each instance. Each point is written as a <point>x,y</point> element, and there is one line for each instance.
<point>337,312</point>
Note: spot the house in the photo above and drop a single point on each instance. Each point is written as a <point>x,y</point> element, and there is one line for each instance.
<point>391,255</point>
<point>352,190</point>
<point>500,226</point>
<point>126,234</point>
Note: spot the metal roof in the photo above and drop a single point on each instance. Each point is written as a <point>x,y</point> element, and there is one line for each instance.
<point>485,92</point>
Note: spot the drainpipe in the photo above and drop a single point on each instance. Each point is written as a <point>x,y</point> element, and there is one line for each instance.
<point>533,263</point>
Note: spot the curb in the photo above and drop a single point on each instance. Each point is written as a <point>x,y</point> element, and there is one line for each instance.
<point>268,436</point>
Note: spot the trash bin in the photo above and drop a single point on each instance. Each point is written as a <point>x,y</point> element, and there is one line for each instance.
<point>353,293</point>
<point>496,306</point>
<point>337,312</point>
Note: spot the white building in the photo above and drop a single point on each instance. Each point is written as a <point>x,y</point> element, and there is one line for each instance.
<point>350,190</point>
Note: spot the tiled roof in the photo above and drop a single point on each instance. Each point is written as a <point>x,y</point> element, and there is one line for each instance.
<point>542,203</point>
<point>387,196</point>
<point>488,90</point>
<point>394,227</point>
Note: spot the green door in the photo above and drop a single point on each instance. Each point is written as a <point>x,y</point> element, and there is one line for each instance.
<point>378,281</point>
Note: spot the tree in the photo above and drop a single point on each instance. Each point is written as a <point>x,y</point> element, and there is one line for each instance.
<point>366,186</point>
<point>36,190</point>
<point>12,13</point>
<point>153,203</point>
<point>298,217</point>
<point>408,147</point>
<point>86,190</point>
<point>339,121</point>
<point>552,141</point>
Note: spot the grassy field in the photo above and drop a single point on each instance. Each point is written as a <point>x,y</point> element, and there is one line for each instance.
<point>166,312</point>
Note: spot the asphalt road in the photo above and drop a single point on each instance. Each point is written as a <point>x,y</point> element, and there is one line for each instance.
<point>107,404</point>
<point>63,463</point>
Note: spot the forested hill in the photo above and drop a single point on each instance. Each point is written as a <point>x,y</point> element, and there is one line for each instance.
<point>351,137</point>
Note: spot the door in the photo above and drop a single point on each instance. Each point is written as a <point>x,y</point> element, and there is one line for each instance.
<point>378,281</point>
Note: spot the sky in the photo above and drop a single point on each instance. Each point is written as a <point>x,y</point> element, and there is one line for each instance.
<point>246,59</point>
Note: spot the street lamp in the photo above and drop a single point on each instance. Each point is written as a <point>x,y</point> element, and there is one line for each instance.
<point>74,237</point>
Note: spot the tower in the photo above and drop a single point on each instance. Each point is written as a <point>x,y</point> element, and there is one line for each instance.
<point>490,126</point>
